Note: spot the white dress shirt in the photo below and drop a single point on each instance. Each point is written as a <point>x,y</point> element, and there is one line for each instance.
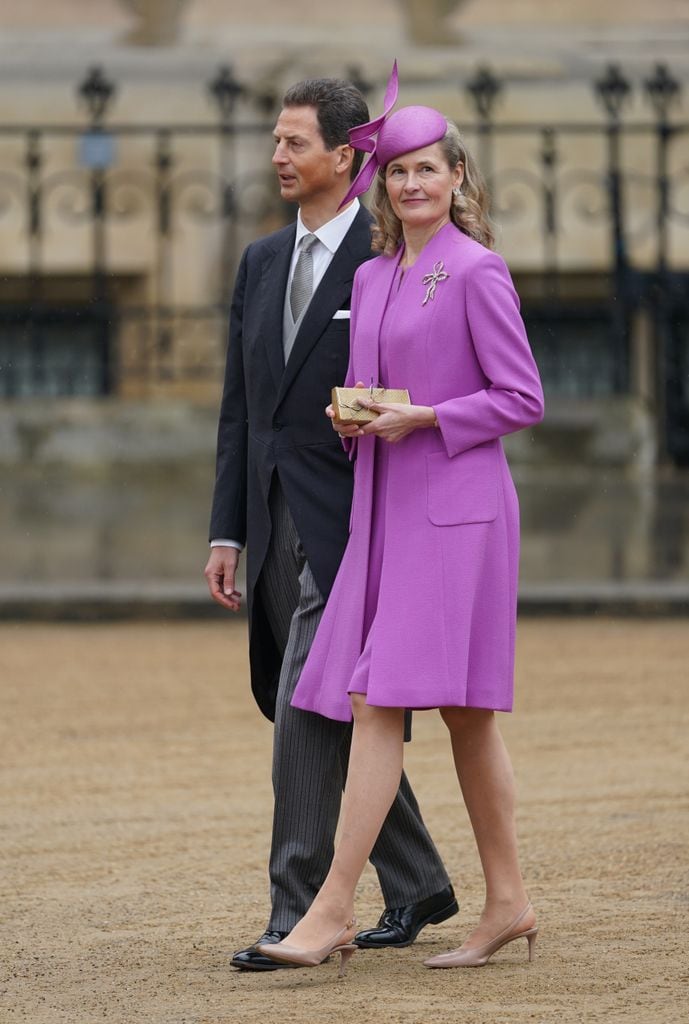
<point>330,236</point>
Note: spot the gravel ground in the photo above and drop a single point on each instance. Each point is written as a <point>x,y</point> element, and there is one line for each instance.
<point>136,818</point>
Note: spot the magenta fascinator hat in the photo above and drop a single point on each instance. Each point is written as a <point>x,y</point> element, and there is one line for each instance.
<point>387,137</point>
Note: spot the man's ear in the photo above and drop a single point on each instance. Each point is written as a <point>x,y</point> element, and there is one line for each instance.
<point>345,155</point>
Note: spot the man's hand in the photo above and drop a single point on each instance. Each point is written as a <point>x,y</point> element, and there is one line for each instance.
<point>220,572</point>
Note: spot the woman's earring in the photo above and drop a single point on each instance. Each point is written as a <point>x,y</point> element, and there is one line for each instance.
<point>456,191</point>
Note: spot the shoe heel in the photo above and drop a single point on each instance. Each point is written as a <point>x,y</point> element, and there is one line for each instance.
<point>531,939</point>
<point>444,914</point>
<point>346,954</point>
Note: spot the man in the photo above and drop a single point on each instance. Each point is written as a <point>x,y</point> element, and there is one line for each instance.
<point>283,486</point>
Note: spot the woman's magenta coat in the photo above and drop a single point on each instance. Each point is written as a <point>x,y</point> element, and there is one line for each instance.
<point>444,626</point>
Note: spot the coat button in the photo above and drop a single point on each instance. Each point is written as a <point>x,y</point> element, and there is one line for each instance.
<point>277,425</point>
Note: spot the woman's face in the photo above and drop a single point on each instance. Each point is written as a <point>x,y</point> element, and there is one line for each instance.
<point>419,185</point>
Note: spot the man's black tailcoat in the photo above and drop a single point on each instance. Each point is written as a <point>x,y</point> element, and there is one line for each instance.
<point>272,420</point>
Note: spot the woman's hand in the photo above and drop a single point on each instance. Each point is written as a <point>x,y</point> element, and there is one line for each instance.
<point>345,428</point>
<point>396,420</point>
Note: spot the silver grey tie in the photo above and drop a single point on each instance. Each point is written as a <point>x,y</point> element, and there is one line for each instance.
<point>302,281</point>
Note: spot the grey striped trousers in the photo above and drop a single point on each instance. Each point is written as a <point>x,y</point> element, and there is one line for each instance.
<point>310,755</point>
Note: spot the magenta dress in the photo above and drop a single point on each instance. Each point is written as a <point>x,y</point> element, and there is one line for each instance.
<point>423,610</point>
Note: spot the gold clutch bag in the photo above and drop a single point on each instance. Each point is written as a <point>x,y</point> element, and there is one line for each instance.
<point>346,402</point>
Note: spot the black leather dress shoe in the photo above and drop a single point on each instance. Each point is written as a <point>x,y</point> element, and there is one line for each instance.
<point>400,926</point>
<point>251,960</point>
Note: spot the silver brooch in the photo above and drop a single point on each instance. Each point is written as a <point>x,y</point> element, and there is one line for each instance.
<point>432,280</point>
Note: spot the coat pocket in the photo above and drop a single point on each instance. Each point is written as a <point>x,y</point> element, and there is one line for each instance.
<point>463,489</point>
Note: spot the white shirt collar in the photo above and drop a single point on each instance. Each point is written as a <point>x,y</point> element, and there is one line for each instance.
<point>333,231</point>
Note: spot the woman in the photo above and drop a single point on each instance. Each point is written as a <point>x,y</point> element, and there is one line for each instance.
<point>423,611</point>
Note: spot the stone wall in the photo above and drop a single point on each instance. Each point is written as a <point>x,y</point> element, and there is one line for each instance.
<point>119,488</point>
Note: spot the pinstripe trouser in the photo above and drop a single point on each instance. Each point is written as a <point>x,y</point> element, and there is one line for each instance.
<point>310,755</point>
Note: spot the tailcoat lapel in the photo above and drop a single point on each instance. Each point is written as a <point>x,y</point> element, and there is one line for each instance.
<point>274,276</point>
<point>333,290</point>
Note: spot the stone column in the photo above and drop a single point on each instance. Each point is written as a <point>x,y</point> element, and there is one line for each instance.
<point>158,21</point>
<point>425,21</point>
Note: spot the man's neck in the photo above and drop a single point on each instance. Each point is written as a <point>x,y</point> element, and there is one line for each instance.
<point>317,213</point>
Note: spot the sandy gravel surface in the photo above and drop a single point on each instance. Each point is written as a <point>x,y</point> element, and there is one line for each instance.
<point>135,810</point>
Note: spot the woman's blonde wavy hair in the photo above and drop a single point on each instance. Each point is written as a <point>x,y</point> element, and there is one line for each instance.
<point>468,209</point>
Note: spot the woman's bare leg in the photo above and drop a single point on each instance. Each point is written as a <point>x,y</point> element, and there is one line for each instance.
<point>373,778</point>
<point>486,779</point>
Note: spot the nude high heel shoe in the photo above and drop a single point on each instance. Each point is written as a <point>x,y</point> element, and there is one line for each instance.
<point>481,954</point>
<point>287,954</point>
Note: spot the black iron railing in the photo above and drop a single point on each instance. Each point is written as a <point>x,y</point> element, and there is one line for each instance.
<point>121,240</point>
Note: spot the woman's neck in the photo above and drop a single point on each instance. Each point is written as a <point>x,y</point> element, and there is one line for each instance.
<point>416,239</point>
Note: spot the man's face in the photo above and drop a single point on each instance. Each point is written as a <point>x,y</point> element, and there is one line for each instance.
<point>306,169</point>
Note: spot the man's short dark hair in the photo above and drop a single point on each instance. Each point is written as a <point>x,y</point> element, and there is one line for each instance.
<point>339,107</point>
